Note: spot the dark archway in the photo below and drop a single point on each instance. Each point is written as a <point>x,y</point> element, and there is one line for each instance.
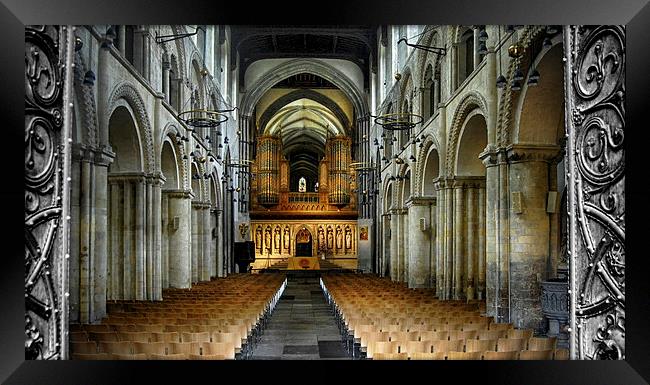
<point>303,243</point>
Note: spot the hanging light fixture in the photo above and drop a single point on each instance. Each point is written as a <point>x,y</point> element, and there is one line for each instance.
<point>516,85</point>
<point>518,76</point>
<point>552,29</point>
<point>412,158</point>
<point>547,42</point>
<point>482,48</point>
<point>501,80</point>
<point>89,78</point>
<point>483,36</point>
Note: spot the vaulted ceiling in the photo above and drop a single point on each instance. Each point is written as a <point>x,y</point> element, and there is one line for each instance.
<point>356,43</point>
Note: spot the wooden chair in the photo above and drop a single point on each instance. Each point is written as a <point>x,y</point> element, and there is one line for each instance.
<point>538,344</point>
<point>103,336</point>
<point>448,346</point>
<point>562,354</point>
<point>462,335</point>
<point>168,357</point>
<point>500,355</point>
<point>165,337</point>
<point>123,347</point>
<point>500,326</point>
<point>184,348</point>
<point>198,357</point>
<point>196,337</point>
<point>225,349</point>
<point>128,357</point>
<point>150,348</point>
<point>524,334</point>
<point>382,347</point>
<point>434,336</point>
<point>464,355</point>
<point>91,356</point>
<point>80,336</point>
<point>511,344</point>
<point>411,347</point>
<point>125,328</point>
<point>536,355</point>
<point>429,356</point>
<point>491,334</point>
<point>97,328</point>
<point>480,345</point>
<point>134,336</point>
<point>391,356</point>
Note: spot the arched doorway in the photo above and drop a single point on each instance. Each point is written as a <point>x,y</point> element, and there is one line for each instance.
<point>303,243</point>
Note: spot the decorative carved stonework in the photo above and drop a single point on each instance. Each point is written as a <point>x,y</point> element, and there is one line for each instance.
<point>48,59</point>
<point>595,74</point>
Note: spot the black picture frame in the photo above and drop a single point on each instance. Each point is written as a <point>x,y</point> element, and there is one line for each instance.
<point>15,14</point>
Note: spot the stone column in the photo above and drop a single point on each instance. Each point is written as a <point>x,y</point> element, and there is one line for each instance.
<point>138,50</point>
<point>164,236</point>
<point>394,264</point>
<point>166,65</point>
<point>149,238</point>
<point>122,37</point>
<point>220,251</point>
<point>529,231</point>
<point>471,249</point>
<point>127,230</point>
<point>503,261</point>
<point>180,255</point>
<point>491,231</point>
<point>458,235</point>
<point>85,234</point>
<point>432,230</point>
<point>98,238</point>
<point>157,238</point>
<point>113,289</point>
<point>419,242</point>
<point>140,239</point>
<point>481,243</point>
<point>404,223</point>
<point>440,238</point>
<point>207,255</point>
<point>147,58</point>
<point>195,242</point>
<point>477,57</point>
<point>449,238</point>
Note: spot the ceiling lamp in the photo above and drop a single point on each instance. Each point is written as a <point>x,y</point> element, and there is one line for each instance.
<point>412,158</point>
<point>89,78</point>
<point>483,36</point>
<point>197,114</point>
<point>533,79</point>
<point>482,49</point>
<point>516,85</point>
<point>518,76</point>
<point>501,81</point>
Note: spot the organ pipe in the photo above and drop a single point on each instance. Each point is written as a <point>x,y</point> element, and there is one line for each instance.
<point>339,154</point>
<point>268,172</point>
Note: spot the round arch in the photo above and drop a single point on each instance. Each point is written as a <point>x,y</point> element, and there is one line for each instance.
<point>125,140</point>
<point>126,93</point>
<point>470,102</point>
<point>473,140</point>
<point>295,67</point>
<point>304,94</point>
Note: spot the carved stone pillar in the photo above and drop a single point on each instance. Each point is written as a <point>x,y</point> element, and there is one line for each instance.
<point>166,66</point>
<point>491,232</point>
<point>419,242</point>
<point>116,246</point>
<point>459,236</point>
<point>180,260</point>
<point>440,237</point>
<point>471,247</point>
<point>394,265</point>
<point>449,239</point>
<point>207,255</point>
<point>157,237</point>
<point>149,236</point>
<point>529,231</point>
<point>140,241</point>
<point>480,255</point>
<point>196,245</point>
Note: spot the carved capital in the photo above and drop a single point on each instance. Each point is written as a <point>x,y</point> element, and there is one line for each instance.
<point>421,201</point>
<point>532,153</point>
<point>179,194</point>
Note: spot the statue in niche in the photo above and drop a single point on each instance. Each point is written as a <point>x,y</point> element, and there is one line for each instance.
<point>286,239</point>
<point>258,239</point>
<point>339,237</point>
<point>330,237</point>
<point>348,238</point>
<point>276,239</point>
<point>267,239</point>
<point>302,184</point>
<point>321,237</point>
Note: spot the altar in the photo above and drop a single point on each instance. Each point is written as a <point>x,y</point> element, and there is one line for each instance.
<point>303,263</point>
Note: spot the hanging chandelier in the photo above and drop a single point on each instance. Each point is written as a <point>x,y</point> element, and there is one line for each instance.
<point>196,113</point>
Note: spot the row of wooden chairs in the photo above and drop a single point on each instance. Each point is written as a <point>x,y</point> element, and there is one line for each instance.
<point>400,320</point>
<point>129,333</point>
<point>144,356</point>
<point>560,354</point>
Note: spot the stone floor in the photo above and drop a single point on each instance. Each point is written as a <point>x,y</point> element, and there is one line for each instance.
<point>302,326</point>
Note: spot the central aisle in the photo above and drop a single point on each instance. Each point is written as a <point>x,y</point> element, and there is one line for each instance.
<point>302,326</point>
